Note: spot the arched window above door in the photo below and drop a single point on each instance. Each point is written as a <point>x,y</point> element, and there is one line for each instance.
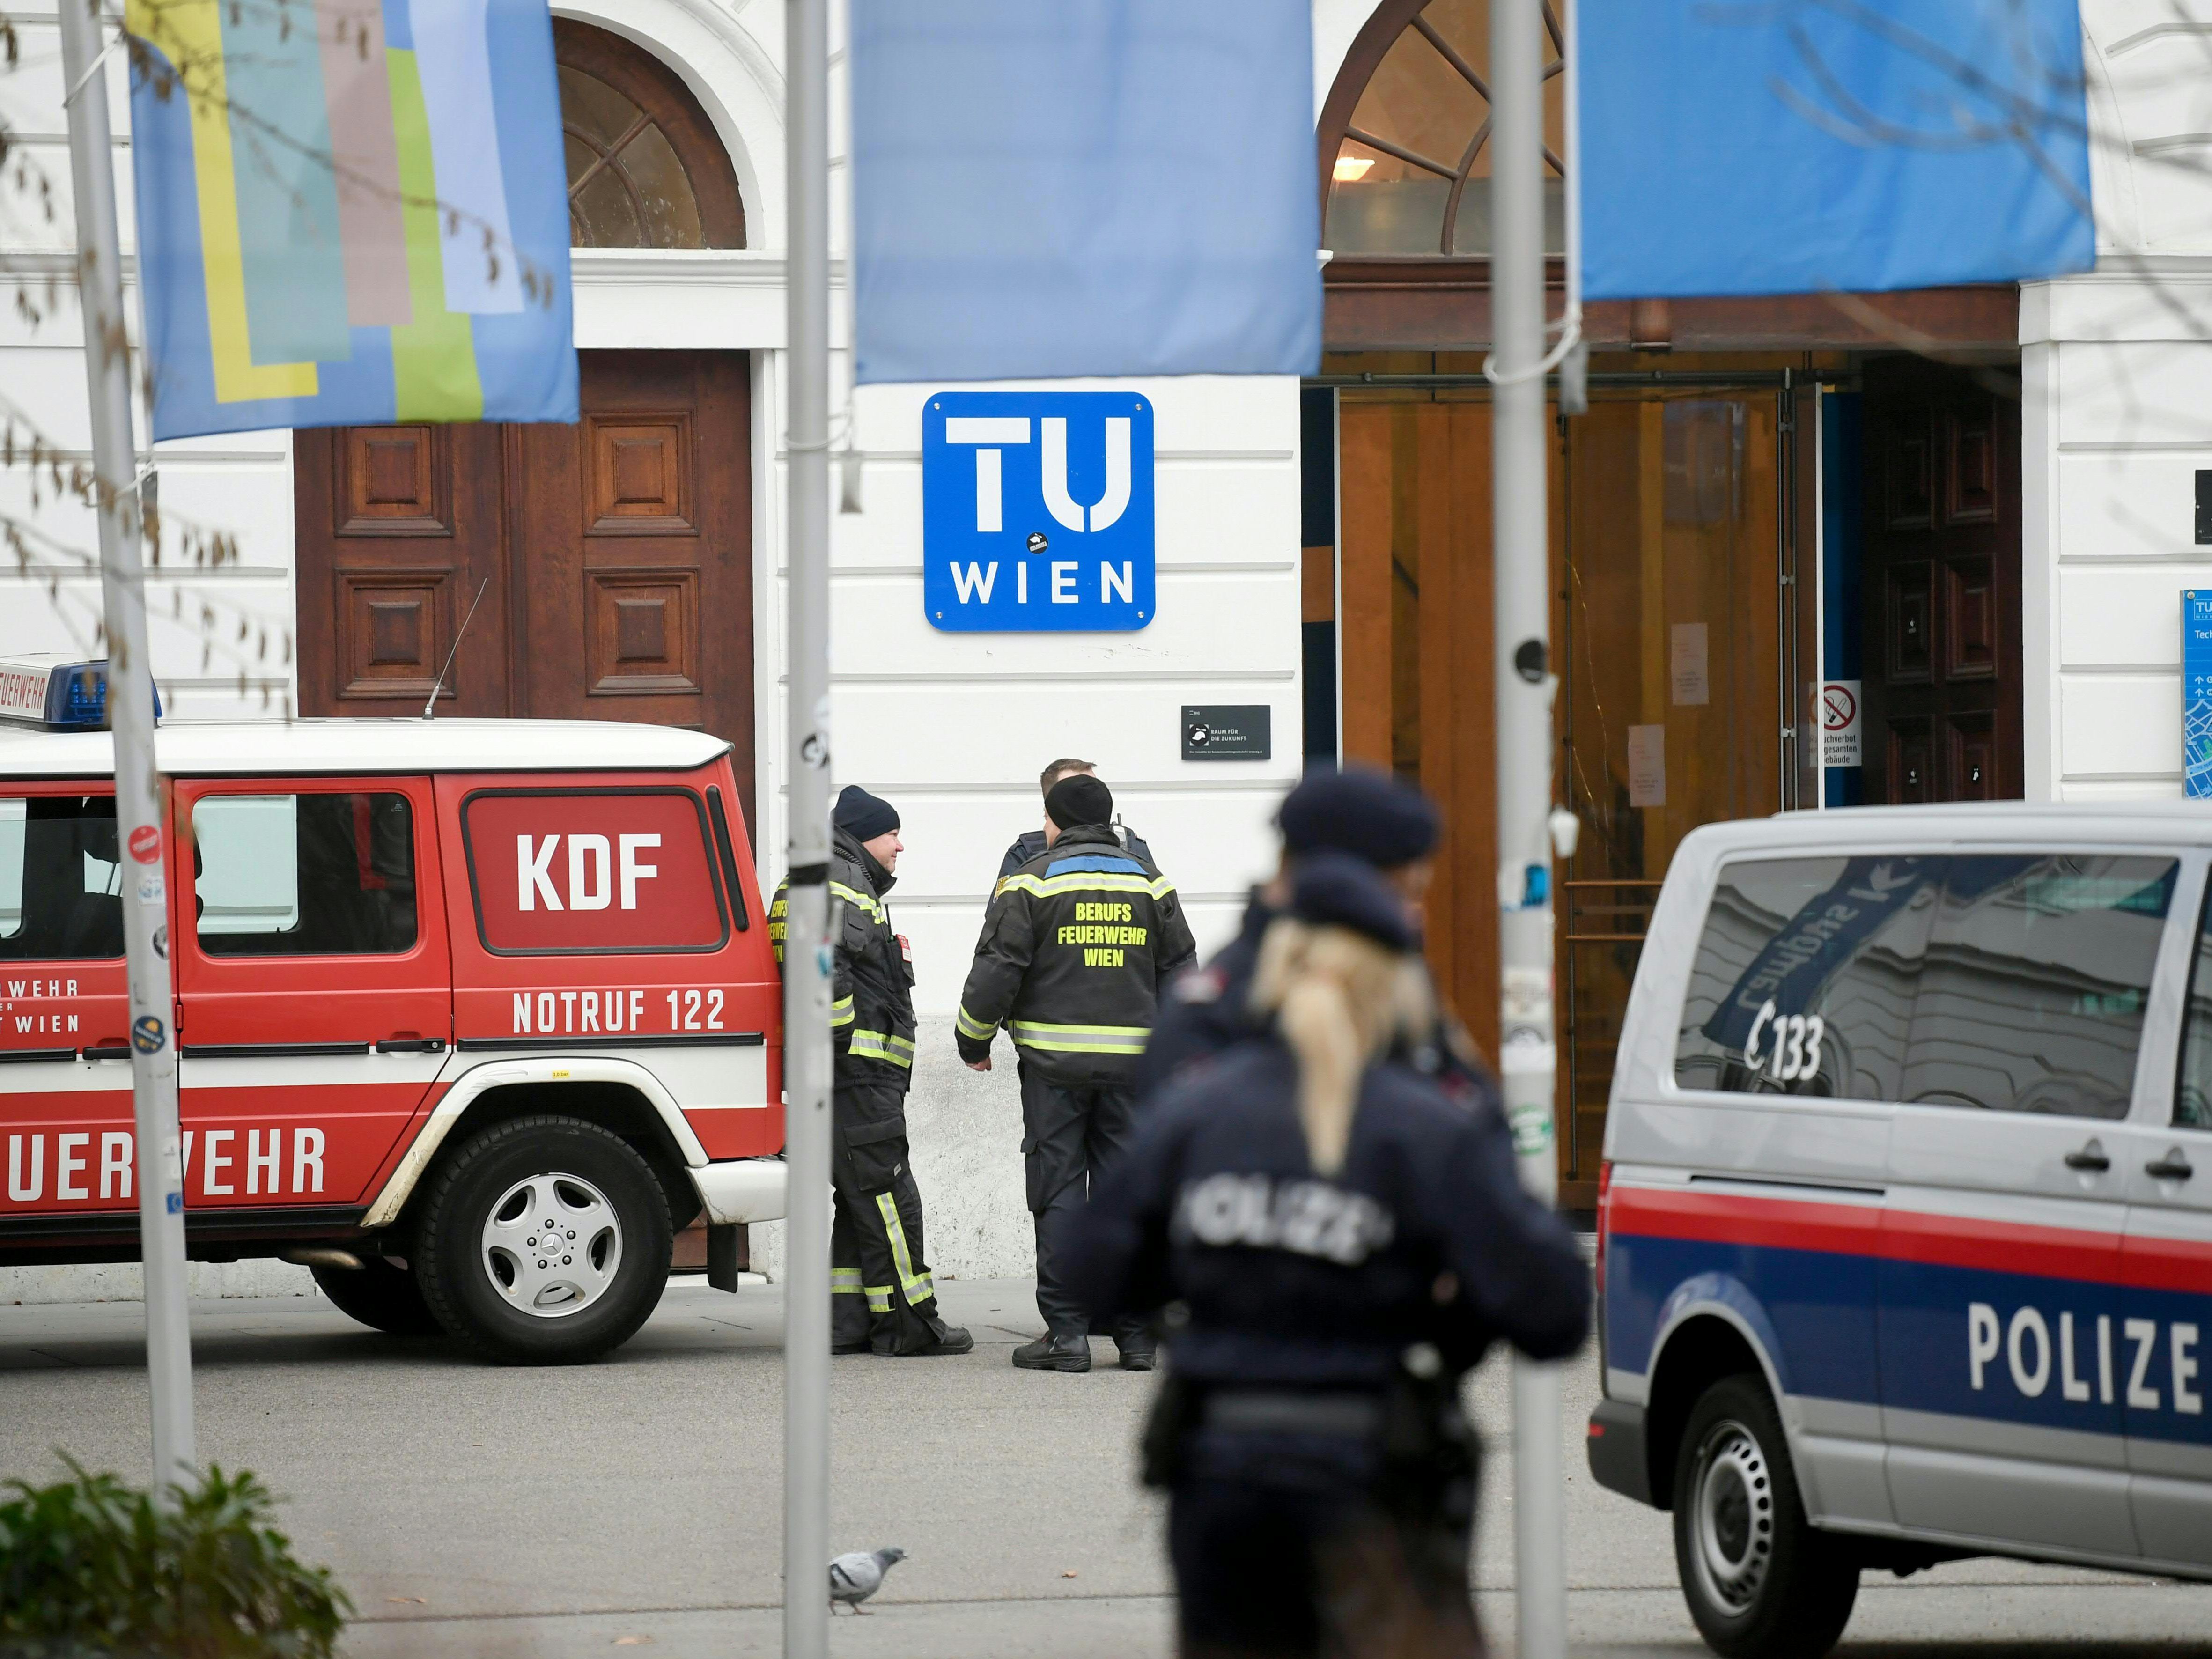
<point>1405,134</point>
<point>646,167</point>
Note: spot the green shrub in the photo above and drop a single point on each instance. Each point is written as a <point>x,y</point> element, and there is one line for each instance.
<point>90,1566</point>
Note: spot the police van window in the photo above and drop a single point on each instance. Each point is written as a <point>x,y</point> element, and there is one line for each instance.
<point>2192,1088</point>
<point>2031,997</point>
<point>304,875</point>
<point>1804,977</point>
<point>60,879</point>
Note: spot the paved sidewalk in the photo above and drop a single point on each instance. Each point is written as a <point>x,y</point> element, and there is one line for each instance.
<point>553,1514</point>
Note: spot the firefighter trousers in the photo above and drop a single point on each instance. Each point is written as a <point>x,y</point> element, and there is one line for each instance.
<point>1069,1132</point>
<point>880,1290</point>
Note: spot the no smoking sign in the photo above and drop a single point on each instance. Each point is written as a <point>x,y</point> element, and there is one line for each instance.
<point>1839,723</point>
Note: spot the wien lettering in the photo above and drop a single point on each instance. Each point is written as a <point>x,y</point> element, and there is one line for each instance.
<point>233,1163</point>
<point>2073,1358</point>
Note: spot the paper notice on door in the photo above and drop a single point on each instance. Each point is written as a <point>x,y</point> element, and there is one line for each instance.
<point>1688,664</point>
<point>1647,764</point>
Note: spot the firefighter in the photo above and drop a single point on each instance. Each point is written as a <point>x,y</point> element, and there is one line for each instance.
<point>882,1298</point>
<point>1338,1243</point>
<point>1075,946</point>
<point>1031,842</point>
<point>1359,810</point>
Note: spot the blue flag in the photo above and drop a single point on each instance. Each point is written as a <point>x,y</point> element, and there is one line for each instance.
<point>1797,146</point>
<point>1062,188</point>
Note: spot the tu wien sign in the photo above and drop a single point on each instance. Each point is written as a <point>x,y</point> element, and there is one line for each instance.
<point>1037,512</point>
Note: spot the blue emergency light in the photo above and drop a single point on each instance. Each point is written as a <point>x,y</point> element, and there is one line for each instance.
<point>46,690</point>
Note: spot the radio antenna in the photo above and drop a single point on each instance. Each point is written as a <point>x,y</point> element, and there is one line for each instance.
<point>431,703</point>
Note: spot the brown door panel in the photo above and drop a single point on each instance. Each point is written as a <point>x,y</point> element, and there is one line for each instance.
<point>1942,701</point>
<point>615,556</point>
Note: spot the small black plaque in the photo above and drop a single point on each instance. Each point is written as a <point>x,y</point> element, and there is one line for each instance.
<point>1227,731</point>
<point>2204,509</point>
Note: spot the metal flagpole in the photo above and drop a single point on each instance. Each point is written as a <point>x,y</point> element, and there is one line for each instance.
<point>808,960</point>
<point>139,796</point>
<point>1528,1055</point>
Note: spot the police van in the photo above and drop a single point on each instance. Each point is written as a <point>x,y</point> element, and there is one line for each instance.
<point>1905,1221</point>
<point>472,1015</point>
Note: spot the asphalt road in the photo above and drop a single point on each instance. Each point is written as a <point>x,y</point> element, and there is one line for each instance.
<point>547,1514</point>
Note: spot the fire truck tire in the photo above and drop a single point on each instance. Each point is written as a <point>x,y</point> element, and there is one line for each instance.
<point>381,1296</point>
<point>543,1241</point>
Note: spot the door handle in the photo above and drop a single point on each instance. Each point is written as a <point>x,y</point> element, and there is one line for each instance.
<point>412,1046</point>
<point>2091,1158</point>
<point>2173,1166</point>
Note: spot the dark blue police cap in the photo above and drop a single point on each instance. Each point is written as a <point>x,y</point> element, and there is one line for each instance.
<point>1361,810</point>
<point>1339,891</point>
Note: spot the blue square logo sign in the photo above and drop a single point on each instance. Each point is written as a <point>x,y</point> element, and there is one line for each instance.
<point>1037,512</point>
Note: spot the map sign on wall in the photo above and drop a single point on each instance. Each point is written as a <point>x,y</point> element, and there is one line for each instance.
<point>2197,692</point>
<point>1037,512</point>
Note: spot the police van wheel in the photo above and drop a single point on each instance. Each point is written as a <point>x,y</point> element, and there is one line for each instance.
<point>545,1241</point>
<point>381,1296</point>
<point>1761,1583</point>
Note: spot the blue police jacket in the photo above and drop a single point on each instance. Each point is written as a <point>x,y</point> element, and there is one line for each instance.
<point>1294,1279</point>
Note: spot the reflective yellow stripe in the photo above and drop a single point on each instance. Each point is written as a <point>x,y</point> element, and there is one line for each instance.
<point>844,1281</point>
<point>853,897</point>
<point>1082,1039</point>
<point>879,1299</point>
<point>1090,882</point>
<point>919,1287</point>
<point>841,1011</point>
<point>972,1027</point>
<point>875,1045</point>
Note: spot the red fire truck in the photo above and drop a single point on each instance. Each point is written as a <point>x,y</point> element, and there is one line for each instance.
<point>473,1016</point>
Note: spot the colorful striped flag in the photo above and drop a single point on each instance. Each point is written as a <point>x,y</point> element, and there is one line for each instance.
<point>350,212</point>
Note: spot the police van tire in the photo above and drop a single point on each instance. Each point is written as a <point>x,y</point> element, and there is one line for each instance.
<point>379,1295</point>
<point>1761,1582</point>
<point>615,1258</point>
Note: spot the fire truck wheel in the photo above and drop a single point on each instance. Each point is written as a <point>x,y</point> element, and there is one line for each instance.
<point>381,1296</point>
<point>544,1241</point>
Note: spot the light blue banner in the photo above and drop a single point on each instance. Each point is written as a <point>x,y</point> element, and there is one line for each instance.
<point>1084,187</point>
<point>1797,146</point>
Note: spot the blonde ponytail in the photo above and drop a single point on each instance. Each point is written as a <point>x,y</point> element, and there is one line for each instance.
<point>1339,999</point>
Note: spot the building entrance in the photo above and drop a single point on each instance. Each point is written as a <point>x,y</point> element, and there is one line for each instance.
<point>1684,664</point>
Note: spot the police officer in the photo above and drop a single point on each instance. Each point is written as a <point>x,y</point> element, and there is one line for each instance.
<point>882,1298</point>
<point>1338,1243</point>
<point>1359,810</point>
<point>1074,948</point>
<point>1031,842</point>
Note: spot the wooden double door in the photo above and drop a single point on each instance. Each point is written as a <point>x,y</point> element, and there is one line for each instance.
<point>613,559</point>
<point>1942,676</point>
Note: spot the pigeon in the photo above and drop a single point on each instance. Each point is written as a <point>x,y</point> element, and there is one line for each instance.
<point>856,1576</point>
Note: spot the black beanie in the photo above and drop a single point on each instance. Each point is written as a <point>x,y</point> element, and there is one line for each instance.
<point>1077,799</point>
<point>1337,889</point>
<point>1360,811</point>
<point>863,816</point>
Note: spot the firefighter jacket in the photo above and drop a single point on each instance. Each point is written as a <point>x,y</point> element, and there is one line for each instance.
<point>1075,947</point>
<point>1031,844</point>
<point>871,1003</point>
<point>1293,1280</point>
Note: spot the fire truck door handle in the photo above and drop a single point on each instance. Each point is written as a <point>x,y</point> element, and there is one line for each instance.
<point>2173,1166</point>
<point>412,1046</point>
<point>2091,1157</point>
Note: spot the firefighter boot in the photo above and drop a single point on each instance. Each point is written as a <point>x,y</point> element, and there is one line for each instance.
<point>1050,1352</point>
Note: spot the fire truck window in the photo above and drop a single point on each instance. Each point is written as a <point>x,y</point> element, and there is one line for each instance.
<point>1805,977</point>
<point>304,875</point>
<point>60,880</point>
